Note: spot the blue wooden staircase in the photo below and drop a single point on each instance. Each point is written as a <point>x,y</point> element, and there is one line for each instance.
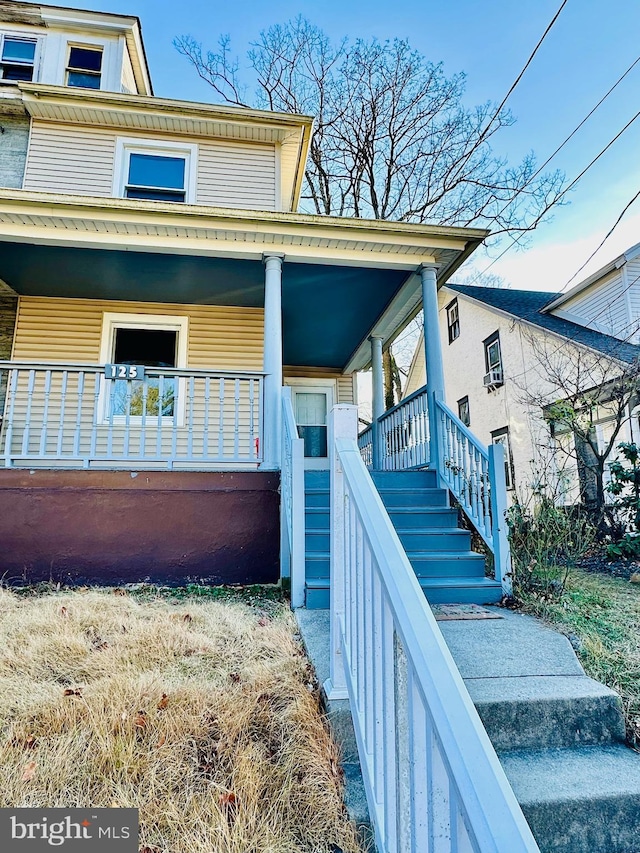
<point>440,552</point>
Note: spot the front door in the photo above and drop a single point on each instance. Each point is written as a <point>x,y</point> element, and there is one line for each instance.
<point>311,406</point>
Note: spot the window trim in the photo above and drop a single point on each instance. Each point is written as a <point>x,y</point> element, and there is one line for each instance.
<point>125,146</point>
<point>510,474</point>
<point>98,48</point>
<point>453,327</point>
<point>487,342</point>
<point>460,402</point>
<point>36,56</point>
<point>159,322</point>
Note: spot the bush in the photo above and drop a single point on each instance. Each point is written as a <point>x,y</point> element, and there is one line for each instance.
<point>546,543</point>
<point>625,486</point>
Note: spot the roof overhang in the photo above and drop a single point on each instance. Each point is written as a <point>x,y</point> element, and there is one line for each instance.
<point>343,280</point>
<point>161,115</point>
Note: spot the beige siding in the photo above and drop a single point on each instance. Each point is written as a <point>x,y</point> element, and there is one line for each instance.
<point>222,338</point>
<point>345,382</point>
<point>345,388</point>
<point>235,174</point>
<point>70,160</point>
<point>128,77</point>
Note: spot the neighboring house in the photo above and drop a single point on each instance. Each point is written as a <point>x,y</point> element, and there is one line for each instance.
<point>508,354</point>
<point>158,289</point>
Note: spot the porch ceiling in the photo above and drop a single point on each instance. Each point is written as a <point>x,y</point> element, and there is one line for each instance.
<point>327,309</point>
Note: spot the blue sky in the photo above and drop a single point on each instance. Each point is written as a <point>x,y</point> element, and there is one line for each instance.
<point>589,47</point>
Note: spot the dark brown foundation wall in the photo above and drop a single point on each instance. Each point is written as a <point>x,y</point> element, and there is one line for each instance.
<point>115,527</point>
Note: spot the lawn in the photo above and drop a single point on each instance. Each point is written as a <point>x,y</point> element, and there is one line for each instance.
<point>601,616</point>
<point>203,714</point>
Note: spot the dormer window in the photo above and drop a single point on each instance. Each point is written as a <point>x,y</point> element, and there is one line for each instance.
<point>85,67</point>
<point>17,62</point>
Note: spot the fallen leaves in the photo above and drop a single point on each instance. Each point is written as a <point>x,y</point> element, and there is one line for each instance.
<point>29,771</point>
<point>72,691</point>
<point>162,704</point>
<point>140,720</point>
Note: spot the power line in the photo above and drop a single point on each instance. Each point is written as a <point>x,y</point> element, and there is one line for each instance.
<point>569,137</point>
<point>604,239</point>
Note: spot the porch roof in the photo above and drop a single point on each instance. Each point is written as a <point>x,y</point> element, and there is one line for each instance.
<point>343,279</point>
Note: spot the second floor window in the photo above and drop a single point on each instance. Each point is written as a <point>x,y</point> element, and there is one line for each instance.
<point>453,321</point>
<point>85,67</point>
<point>17,60</point>
<point>156,177</point>
<point>463,411</point>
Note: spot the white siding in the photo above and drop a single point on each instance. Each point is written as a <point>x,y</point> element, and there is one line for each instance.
<point>128,78</point>
<point>70,160</point>
<point>237,174</point>
<point>633,284</point>
<point>603,306</point>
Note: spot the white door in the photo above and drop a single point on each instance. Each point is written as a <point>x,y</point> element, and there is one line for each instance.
<point>311,406</point>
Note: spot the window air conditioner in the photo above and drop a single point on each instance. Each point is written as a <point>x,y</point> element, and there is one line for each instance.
<point>493,379</point>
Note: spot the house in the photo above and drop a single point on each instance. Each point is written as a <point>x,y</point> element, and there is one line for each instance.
<point>159,288</point>
<point>523,351</point>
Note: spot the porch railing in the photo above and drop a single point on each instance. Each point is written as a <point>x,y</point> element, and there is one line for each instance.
<point>72,415</point>
<point>404,434</point>
<point>432,778</point>
<point>473,473</point>
<point>292,557</point>
<point>475,476</point>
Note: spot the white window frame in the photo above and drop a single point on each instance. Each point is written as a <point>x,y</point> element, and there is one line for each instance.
<point>98,48</point>
<point>125,146</point>
<point>22,36</point>
<point>156,322</point>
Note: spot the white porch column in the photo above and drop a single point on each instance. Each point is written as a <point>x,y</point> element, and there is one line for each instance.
<point>377,397</point>
<point>272,363</point>
<point>432,353</point>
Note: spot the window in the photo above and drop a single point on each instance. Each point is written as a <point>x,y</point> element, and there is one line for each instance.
<point>492,362</point>
<point>84,68</point>
<point>156,342</point>
<point>453,321</point>
<point>18,58</point>
<point>463,411</point>
<point>158,172</point>
<point>501,436</point>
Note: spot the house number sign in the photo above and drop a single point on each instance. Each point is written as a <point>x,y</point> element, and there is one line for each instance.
<point>124,371</point>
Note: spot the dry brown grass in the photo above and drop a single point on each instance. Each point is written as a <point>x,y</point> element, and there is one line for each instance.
<point>202,715</point>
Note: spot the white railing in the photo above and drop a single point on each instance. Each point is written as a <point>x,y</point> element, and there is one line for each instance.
<point>71,415</point>
<point>475,476</point>
<point>403,434</point>
<point>292,502</point>
<point>365,443</point>
<point>432,778</point>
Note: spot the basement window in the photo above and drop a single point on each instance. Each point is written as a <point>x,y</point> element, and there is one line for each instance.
<point>17,62</point>
<point>84,69</point>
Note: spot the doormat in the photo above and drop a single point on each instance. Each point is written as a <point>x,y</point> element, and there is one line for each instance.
<point>449,612</point>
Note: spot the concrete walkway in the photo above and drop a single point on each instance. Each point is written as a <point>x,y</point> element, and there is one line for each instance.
<point>558,733</point>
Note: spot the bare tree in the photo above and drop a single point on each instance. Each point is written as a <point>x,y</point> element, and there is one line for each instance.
<point>577,388</point>
<point>392,138</point>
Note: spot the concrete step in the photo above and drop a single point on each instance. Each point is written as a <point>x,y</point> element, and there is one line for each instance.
<point>431,539</point>
<point>581,800</point>
<point>547,711</point>
<point>461,590</point>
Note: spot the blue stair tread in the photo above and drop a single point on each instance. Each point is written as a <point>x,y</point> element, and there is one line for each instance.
<point>317,583</point>
<point>446,555</point>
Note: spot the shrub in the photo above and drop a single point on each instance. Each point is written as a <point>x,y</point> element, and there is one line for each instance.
<point>546,542</point>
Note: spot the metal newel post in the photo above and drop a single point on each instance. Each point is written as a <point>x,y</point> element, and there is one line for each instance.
<point>432,354</point>
<point>377,398</point>
<point>272,419</point>
<point>343,424</point>
<point>501,548</point>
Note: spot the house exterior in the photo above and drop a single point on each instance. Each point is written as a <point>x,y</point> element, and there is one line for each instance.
<point>505,351</point>
<point>158,290</point>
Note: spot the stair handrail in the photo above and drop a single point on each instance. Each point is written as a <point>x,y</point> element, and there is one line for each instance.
<point>292,557</point>
<point>475,476</point>
<point>432,778</point>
